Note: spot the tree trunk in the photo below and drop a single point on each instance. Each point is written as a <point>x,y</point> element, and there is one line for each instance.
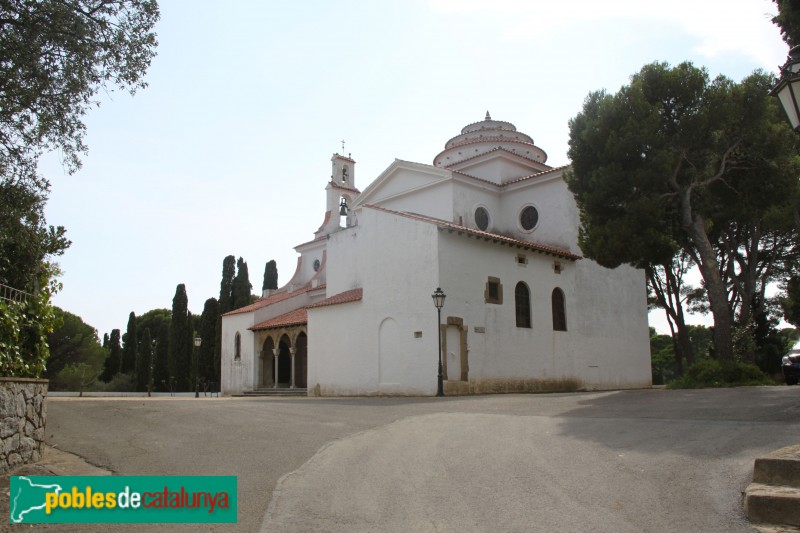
<point>715,287</point>
<point>668,295</point>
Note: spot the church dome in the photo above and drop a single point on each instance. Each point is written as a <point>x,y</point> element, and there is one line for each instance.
<point>485,136</point>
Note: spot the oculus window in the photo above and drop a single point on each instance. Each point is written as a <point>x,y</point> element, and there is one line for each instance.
<point>482,218</point>
<point>528,218</point>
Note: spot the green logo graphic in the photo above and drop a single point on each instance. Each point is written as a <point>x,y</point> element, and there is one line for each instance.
<point>122,499</point>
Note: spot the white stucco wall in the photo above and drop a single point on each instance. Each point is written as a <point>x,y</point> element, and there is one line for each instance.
<point>369,347</point>
<point>606,344</point>
<point>558,213</point>
<point>237,374</point>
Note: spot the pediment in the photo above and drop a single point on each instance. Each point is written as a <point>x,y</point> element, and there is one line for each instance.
<point>499,166</point>
<point>399,178</point>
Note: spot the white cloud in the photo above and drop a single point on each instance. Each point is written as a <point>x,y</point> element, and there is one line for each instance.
<point>737,27</point>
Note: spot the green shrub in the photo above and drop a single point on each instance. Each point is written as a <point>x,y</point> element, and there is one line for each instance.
<point>24,327</point>
<point>23,336</point>
<point>714,373</point>
<point>119,383</point>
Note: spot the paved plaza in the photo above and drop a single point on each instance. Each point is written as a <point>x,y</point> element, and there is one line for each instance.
<point>651,460</point>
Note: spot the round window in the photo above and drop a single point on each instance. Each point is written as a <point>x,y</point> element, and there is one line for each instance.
<point>316,265</point>
<point>529,218</point>
<point>482,218</point>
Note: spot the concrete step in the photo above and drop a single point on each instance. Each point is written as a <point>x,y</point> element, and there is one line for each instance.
<point>772,504</point>
<point>274,392</point>
<point>781,467</point>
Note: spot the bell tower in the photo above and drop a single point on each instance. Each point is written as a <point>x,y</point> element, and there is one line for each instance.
<point>340,195</point>
<point>343,171</point>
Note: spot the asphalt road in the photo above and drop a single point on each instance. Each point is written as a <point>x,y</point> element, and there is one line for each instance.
<point>619,461</point>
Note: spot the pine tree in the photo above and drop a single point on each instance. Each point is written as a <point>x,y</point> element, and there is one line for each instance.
<point>179,359</point>
<point>270,276</point>
<point>111,366</point>
<point>144,360</point>
<point>129,346</point>
<point>241,285</point>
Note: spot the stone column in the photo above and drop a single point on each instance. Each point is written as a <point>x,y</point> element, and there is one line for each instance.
<point>276,352</point>
<point>292,352</point>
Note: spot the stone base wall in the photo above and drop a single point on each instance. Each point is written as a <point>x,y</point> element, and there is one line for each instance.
<point>22,420</point>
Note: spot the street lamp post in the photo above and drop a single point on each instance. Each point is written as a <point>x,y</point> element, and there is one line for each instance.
<point>438,301</point>
<point>787,89</point>
<point>197,341</point>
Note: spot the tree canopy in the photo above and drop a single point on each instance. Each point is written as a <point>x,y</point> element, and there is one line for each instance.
<point>180,341</point>
<point>677,162</point>
<point>270,276</point>
<point>25,239</point>
<point>788,20</point>
<point>76,356</point>
<point>241,285</point>
<point>55,55</point>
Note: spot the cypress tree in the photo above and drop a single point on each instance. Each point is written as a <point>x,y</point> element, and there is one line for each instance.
<point>161,356</point>
<point>207,330</point>
<point>225,304</point>
<point>241,285</point>
<point>192,374</point>
<point>144,361</point>
<point>270,276</point>
<point>158,321</point>
<point>179,358</point>
<point>129,347</point>
<point>105,341</point>
<point>226,285</point>
<point>111,366</point>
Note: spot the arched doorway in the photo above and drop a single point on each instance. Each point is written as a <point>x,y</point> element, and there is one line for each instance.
<point>284,362</point>
<point>301,361</point>
<point>267,377</point>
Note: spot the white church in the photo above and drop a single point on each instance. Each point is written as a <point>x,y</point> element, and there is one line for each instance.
<point>497,229</point>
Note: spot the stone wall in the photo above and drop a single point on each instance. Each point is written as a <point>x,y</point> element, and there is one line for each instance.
<point>22,420</point>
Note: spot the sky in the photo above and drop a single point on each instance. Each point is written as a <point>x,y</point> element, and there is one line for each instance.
<point>227,151</point>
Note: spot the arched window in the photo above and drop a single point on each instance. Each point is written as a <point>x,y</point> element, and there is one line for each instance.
<point>522,303</point>
<point>559,312</point>
<point>237,346</point>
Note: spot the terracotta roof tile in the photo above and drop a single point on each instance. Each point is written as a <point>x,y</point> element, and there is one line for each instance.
<point>269,300</point>
<point>341,298</point>
<point>536,175</point>
<point>486,235</point>
<point>337,186</point>
<point>298,317</point>
<point>515,180</point>
<point>492,151</point>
